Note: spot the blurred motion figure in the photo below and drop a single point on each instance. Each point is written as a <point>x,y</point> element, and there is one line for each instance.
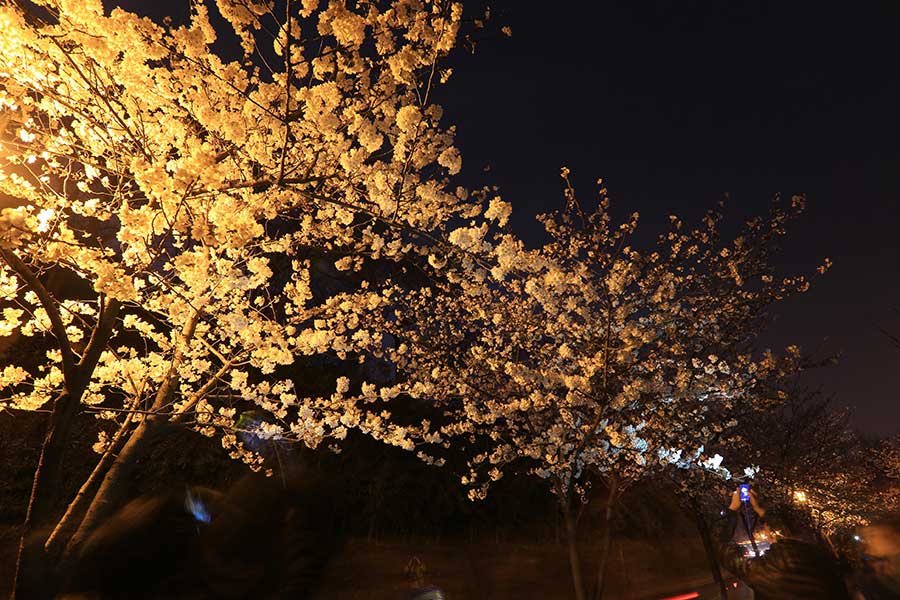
<point>261,539</point>
<point>788,569</point>
<point>879,578</point>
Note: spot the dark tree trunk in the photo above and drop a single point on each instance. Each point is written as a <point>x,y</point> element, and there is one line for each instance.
<point>611,499</point>
<point>56,542</point>
<point>33,571</point>
<point>107,495</point>
<point>708,545</point>
<point>572,545</point>
<point>33,574</point>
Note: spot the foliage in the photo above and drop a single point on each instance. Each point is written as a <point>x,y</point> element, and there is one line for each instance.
<point>196,194</point>
<point>813,466</point>
<point>889,455</point>
<point>586,356</point>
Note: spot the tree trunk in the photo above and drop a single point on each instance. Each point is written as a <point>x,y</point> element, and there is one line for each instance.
<point>46,475</point>
<point>77,506</point>
<point>708,545</point>
<point>625,578</point>
<point>611,499</point>
<point>32,571</point>
<point>572,544</point>
<point>45,487</point>
<point>105,499</point>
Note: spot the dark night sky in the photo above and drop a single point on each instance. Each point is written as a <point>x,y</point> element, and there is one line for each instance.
<point>674,103</point>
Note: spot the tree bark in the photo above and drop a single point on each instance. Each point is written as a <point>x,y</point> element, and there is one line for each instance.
<point>46,474</point>
<point>708,545</point>
<point>105,499</point>
<point>107,494</point>
<point>572,544</point>
<point>31,573</point>
<point>77,505</point>
<point>611,499</point>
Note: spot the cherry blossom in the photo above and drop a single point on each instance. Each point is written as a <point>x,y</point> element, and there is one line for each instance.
<point>193,197</point>
<point>586,359</point>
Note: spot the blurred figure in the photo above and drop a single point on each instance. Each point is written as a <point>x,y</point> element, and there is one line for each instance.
<point>274,540</point>
<point>744,521</point>
<point>260,540</point>
<point>879,578</point>
<point>140,552</point>
<point>789,569</point>
<point>416,571</point>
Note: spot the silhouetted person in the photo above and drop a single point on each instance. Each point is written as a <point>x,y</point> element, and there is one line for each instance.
<point>789,569</point>
<point>140,552</point>
<point>261,539</point>
<point>879,578</point>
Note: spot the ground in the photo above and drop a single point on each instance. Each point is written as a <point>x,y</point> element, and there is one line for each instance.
<point>483,567</point>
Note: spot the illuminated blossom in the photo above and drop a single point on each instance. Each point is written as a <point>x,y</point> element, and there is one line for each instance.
<point>193,195</point>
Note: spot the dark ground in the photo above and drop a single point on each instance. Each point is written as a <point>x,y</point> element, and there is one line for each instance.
<point>480,561</point>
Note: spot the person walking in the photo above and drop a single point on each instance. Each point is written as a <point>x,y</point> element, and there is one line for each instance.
<point>779,567</point>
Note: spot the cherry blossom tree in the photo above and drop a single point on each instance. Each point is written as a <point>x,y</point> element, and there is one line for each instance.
<point>587,360</point>
<point>191,179</point>
<point>813,465</point>
<point>888,460</point>
<point>889,457</point>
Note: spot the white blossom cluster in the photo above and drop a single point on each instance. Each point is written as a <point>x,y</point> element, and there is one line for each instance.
<point>195,195</point>
<point>585,357</point>
<point>198,197</point>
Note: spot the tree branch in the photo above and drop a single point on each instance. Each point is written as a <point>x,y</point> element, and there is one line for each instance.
<point>49,303</point>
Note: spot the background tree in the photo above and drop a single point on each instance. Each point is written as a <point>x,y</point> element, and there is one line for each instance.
<point>586,360</point>
<point>192,195</point>
<point>700,497</point>
<point>890,458</point>
<point>814,469</point>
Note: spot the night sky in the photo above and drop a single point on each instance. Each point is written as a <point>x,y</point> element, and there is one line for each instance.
<point>676,102</point>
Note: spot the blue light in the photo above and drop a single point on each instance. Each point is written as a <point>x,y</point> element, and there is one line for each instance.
<point>196,507</point>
